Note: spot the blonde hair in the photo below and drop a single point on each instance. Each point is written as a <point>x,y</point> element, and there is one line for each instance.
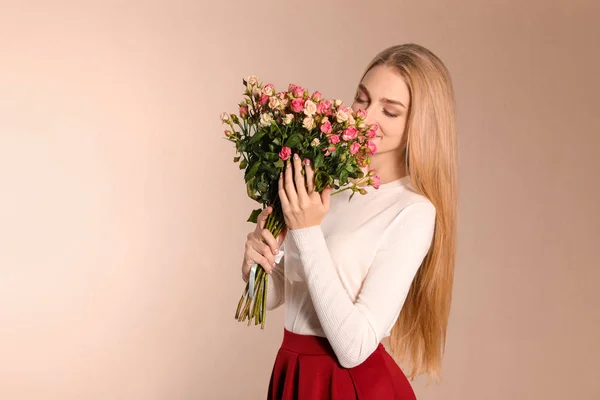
<point>430,150</point>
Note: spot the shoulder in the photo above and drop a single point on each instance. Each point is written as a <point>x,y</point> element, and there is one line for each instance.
<point>417,207</point>
<point>415,203</point>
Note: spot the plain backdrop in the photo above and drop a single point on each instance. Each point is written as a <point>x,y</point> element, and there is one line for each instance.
<point>122,215</point>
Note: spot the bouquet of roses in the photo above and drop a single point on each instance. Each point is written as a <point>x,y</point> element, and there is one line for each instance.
<point>270,127</point>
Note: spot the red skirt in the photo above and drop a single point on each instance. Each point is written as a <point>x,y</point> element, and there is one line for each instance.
<point>306,368</point>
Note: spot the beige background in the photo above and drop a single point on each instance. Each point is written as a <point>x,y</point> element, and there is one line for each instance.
<point>122,215</point>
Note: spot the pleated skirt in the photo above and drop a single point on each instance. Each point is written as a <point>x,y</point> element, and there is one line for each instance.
<point>306,368</point>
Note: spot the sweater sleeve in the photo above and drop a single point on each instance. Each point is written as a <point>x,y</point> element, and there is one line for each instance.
<point>355,329</point>
<point>276,290</point>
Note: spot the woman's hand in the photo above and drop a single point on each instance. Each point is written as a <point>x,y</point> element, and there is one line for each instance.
<point>261,246</point>
<point>302,206</point>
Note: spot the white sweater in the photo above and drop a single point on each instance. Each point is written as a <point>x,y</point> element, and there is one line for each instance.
<point>348,278</point>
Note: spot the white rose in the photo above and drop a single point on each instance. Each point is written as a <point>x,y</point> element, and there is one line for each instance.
<point>362,125</point>
<point>288,119</point>
<point>252,80</point>
<point>351,120</point>
<point>337,103</point>
<point>268,90</point>
<point>310,108</point>
<point>341,116</point>
<point>274,103</point>
<point>224,117</point>
<point>256,92</point>
<point>265,120</point>
<point>315,142</point>
<point>308,123</point>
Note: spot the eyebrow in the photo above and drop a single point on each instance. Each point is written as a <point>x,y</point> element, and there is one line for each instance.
<point>384,100</point>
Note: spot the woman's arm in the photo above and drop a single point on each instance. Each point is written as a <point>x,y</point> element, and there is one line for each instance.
<point>354,330</point>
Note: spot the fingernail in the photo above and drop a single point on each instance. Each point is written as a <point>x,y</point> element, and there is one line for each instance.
<point>276,251</point>
<point>296,156</point>
<point>307,162</point>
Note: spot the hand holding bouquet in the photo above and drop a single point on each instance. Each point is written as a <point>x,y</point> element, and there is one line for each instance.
<point>270,127</point>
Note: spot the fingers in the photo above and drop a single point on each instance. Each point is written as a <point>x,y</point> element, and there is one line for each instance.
<point>288,185</point>
<point>285,202</point>
<point>264,258</point>
<point>310,176</point>
<point>299,179</point>
<point>269,239</point>
<point>262,218</point>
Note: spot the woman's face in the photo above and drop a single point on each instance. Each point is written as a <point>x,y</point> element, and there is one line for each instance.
<point>383,93</point>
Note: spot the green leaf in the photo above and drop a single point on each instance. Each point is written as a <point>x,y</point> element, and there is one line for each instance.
<point>322,179</point>
<point>279,163</point>
<point>243,164</point>
<point>257,137</point>
<point>294,140</point>
<point>344,177</point>
<point>277,141</point>
<point>250,189</point>
<point>253,170</point>
<point>271,156</point>
<point>319,161</point>
<point>254,215</point>
<point>236,159</point>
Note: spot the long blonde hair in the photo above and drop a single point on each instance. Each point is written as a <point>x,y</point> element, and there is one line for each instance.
<point>430,152</point>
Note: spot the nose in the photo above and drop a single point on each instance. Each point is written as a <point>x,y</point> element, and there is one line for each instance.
<point>371,118</point>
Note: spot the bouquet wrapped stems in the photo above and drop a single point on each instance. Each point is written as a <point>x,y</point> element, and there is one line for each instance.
<point>255,305</point>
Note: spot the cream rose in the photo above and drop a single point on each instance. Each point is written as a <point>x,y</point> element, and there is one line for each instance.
<point>265,120</point>
<point>310,108</point>
<point>308,123</point>
<point>288,119</point>
<point>341,116</point>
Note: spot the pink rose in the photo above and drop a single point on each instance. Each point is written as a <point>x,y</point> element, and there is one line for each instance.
<point>326,127</point>
<point>361,114</point>
<point>264,99</point>
<point>331,149</point>
<point>350,133</point>
<point>334,139</point>
<point>298,105</point>
<point>354,148</point>
<point>371,147</point>
<point>285,153</point>
<point>324,107</point>
<point>317,96</point>
<point>243,111</point>
<point>292,87</point>
<point>298,92</point>
<point>375,182</point>
<point>373,131</point>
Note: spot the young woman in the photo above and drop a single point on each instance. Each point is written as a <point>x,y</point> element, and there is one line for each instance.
<point>381,265</point>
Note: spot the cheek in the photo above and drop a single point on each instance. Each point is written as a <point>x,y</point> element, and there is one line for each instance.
<point>392,128</point>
